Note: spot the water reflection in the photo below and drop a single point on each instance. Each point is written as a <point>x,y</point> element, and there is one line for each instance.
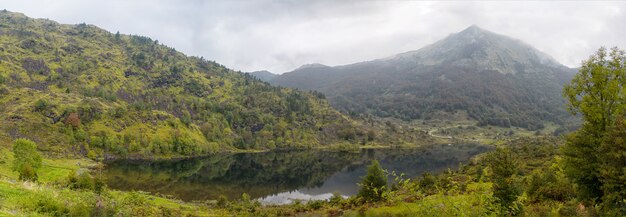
<point>278,176</point>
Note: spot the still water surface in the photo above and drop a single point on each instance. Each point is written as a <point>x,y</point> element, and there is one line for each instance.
<point>279,177</point>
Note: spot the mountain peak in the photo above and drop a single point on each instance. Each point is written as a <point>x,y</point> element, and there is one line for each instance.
<point>473,29</point>
<point>477,47</point>
<point>312,65</point>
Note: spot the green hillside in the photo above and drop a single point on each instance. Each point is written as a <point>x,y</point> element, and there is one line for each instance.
<point>81,90</point>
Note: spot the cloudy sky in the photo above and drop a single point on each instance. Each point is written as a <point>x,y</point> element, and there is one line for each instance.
<point>282,35</point>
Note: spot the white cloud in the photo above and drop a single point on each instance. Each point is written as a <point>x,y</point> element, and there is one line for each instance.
<point>282,35</point>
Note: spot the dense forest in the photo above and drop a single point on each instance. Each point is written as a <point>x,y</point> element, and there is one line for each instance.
<point>78,89</point>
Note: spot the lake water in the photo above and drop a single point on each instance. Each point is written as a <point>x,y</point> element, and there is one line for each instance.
<point>279,177</point>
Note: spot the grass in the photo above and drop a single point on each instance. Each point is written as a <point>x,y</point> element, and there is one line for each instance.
<point>48,196</point>
<point>478,200</point>
<point>53,170</point>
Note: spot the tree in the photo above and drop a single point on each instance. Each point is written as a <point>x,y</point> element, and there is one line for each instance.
<point>73,120</point>
<point>613,169</point>
<point>117,36</point>
<point>374,184</point>
<point>27,159</point>
<point>597,93</point>
<point>503,167</point>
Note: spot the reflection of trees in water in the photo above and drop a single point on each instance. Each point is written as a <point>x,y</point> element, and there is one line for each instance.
<point>261,174</point>
<point>414,162</point>
<point>206,178</point>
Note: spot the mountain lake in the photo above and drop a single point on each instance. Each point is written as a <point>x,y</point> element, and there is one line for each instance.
<point>279,177</point>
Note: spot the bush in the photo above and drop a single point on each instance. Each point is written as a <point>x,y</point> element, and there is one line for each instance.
<point>428,183</point>
<point>336,198</point>
<point>27,173</point>
<point>27,159</point>
<point>374,184</point>
<point>41,105</point>
<point>222,201</point>
<point>84,181</point>
<point>549,185</point>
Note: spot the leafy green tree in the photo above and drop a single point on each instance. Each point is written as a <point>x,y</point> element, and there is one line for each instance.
<point>27,159</point>
<point>503,165</point>
<point>374,184</point>
<point>597,93</point>
<point>613,169</point>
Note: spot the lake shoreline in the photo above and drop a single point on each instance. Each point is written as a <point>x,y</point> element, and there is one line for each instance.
<point>330,148</point>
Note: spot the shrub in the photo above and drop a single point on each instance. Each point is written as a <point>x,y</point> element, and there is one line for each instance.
<point>85,182</point>
<point>27,159</point>
<point>222,201</point>
<point>374,184</point>
<point>428,183</point>
<point>27,172</point>
<point>41,105</point>
<point>73,120</point>
<point>336,198</point>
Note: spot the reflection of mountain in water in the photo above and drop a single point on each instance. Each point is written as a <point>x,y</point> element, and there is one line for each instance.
<point>262,174</point>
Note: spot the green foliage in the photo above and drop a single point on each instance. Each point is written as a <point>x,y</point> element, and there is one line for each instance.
<point>84,181</point>
<point>581,164</point>
<point>478,200</point>
<point>374,184</point>
<point>549,185</point>
<point>613,169</point>
<point>596,91</point>
<point>503,165</point>
<point>27,159</point>
<point>428,183</point>
<point>131,96</point>
<point>598,94</point>
<point>41,105</point>
<point>336,199</point>
<point>222,201</point>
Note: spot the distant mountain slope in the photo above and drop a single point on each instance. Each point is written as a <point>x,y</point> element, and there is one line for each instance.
<point>495,79</point>
<point>78,89</point>
<point>263,75</point>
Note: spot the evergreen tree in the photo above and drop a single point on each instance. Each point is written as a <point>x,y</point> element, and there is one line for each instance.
<point>374,184</point>
<point>503,168</point>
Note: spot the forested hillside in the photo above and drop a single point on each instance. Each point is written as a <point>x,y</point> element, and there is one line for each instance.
<point>494,79</point>
<point>78,89</point>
